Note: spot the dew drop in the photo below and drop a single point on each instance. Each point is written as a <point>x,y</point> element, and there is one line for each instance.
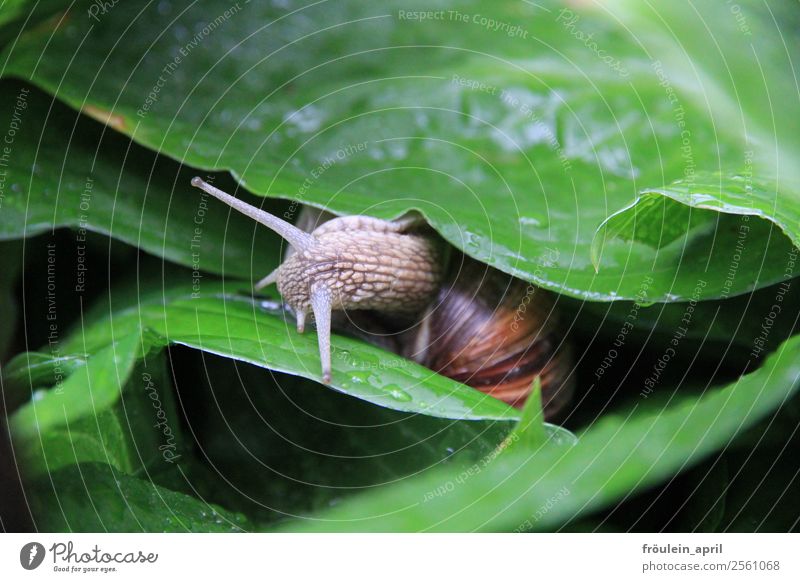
<point>361,377</point>
<point>400,395</point>
<point>529,221</point>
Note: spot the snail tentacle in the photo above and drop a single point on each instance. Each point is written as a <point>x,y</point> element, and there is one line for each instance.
<point>294,236</point>
<point>268,280</point>
<point>301,321</point>
<point>321,303</point>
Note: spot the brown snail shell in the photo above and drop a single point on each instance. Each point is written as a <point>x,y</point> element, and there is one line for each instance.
<point>495,333</point>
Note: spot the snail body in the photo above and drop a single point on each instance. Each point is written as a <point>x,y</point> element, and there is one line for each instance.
<point>352,262</point>
<point>481,327</point>
<point>365,263</point>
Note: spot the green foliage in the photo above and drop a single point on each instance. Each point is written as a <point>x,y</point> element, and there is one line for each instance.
<point>93,497</point>
<point>96,181</point>
<point>647,178</point>
<point>518,175</point>
<point>613,459</point>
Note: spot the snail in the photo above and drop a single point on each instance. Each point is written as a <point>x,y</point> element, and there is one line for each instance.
<point>474,324</point>
<point>350,262</point>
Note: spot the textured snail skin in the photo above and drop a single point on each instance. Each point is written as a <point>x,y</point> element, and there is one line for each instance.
<point>365,264</point>
<point>353,262</point>
<point>496,333</point>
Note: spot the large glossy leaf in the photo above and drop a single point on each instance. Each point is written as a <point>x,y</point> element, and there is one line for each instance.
<point>252,454</point>
<point>661,216</point>
<point>516,140</point>
<point>247,330</point>
<point>279,447</point>
<point>92,497</point>
<point>66,171</point>
<point>739,65</point>
<point>548,487</point>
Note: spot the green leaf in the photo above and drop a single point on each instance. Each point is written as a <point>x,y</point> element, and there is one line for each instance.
<point>247,330</point>
<point>705,508</point>
<point>11,10</point>
<point>283,446</point>
<point>30,11</point>
<point>688,212</point>
<point>30,371</point>
<point>134,435</point>
<point>615,457</point>
<point>92,180</point>
<point>238,329</point>
<point>530,432</point>
<point>515,143</point>
<point>745,323</point>
<point>91,388</point>
<point>737,64</point>
<point>92,497</point>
